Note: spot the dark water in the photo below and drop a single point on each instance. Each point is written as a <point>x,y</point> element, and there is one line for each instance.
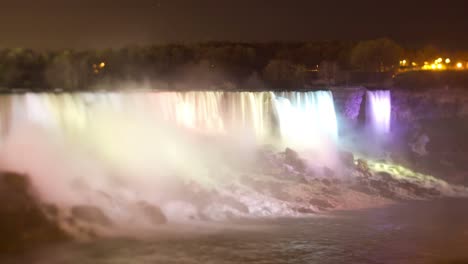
<point>417,232</point>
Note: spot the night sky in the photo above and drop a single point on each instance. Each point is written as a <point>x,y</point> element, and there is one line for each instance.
<point>52,24</point>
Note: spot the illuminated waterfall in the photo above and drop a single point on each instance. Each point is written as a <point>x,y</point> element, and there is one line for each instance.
<point>379,111</point>
<point>307,118</point>
<point>302,118</point>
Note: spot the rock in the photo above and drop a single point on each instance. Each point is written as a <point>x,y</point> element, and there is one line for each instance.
<point>382,188</point>
<point>23,223</point>
<point>291,154</point>
<point>363,168</point>
<point>91,214</point>
<point>364,189</point>
<point>292,158</point>
<point>152,213</point>
<point>387,177</point>
<point>321,204</point>
<point>231,202</point>
<point>305,210</point>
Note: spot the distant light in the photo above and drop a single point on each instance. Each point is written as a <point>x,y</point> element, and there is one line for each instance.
<point>102,65</point>
<point>94,66</point>
<point>447,60</point>
<point>439,66</point>
<point>459,65</point>
<point>414,64</point>
<point>426,63</point>
<point>439,60</point>
<point>433,66</point>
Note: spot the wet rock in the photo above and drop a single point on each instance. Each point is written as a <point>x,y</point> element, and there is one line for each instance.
<point>321,204</point>
<point>331,191</point>
<point>363,168</point>
<point>23,223</point>
<point>234,204</point>
<point>91,214</point>
<point>379,185</point>
<point>292,158</point>
<point>285,196</point>
<point>305,210</point>
<point>152,213</point>
<point>382,188</point>
<point>387,177</point>
<point>291,154</point>
<point>364,189</point>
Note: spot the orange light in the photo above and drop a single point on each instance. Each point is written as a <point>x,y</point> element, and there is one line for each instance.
<point>459,65</point>
<point>102,65</point>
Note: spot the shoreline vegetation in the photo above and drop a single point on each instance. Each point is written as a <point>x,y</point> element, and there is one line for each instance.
<point>225,66</point>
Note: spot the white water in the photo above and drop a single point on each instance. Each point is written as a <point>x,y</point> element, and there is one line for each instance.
<point>299,118</point>
<point>307,119</point>
<point>82,148</point>
<point>379,111</point>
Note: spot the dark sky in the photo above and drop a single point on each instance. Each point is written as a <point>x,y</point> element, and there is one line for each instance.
<point>55,24</point>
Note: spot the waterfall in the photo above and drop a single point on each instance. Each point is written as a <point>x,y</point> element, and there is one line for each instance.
<point>115,149</point>
<point>302,118</point>
<point>307,118</point>
<point>378,111</point>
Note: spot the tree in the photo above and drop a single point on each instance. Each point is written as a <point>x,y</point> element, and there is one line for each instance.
<point>68,71</point>
<point>376,55</point>
<point>284,74</point>
<point>329,72</point>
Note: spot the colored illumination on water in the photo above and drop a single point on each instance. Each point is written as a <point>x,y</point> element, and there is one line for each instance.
<point>302,118</point>
<point>307,119</point>
<point>379,111</point>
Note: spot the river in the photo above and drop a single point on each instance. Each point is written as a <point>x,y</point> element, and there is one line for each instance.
<point>414,232</point>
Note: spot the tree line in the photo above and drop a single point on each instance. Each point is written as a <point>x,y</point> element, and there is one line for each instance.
<point>248,65</point>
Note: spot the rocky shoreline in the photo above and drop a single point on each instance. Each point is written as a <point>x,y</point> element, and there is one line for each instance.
<point>282,185</point>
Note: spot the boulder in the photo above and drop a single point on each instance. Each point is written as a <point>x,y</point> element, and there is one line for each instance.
<point>90,214</point>
<point>304,210</point>
<point>23,223</point>
<point>153,213</point>
<point>321,204</point>
<point>233,203</point>
<point>292,158</point>
<point>363,168</point>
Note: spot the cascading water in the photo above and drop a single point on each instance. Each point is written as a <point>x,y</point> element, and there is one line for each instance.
<point>302,118</point>
<point>116,149</point>
<point>378,111</point>
<point>307,119</point>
